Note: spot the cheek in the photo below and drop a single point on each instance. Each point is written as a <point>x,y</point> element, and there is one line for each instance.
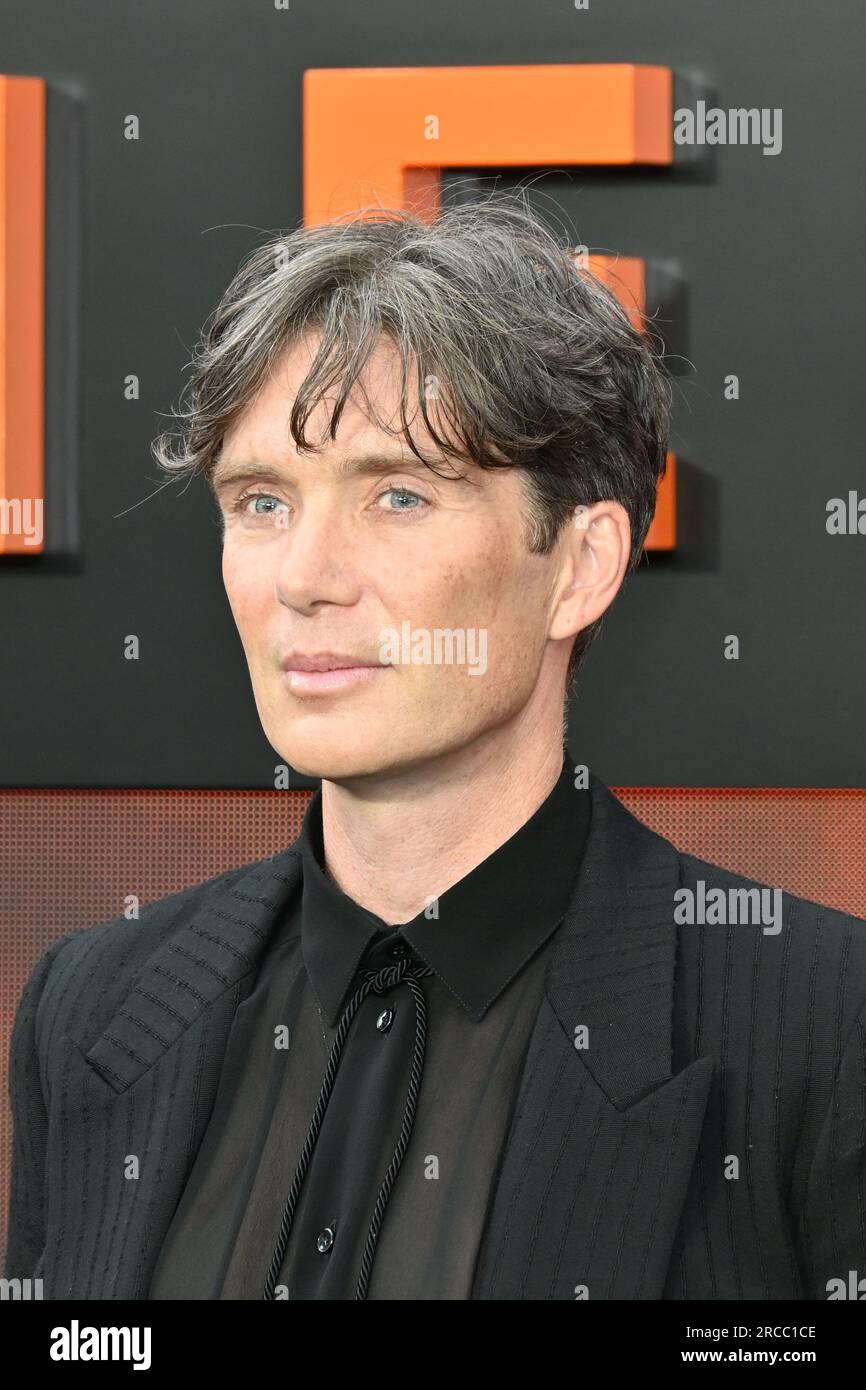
<point>482,589</point>
<point>462,586</point>
<point>244,585</point>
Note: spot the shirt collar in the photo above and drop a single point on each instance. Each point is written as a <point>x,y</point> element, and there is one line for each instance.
<point>489,924</point>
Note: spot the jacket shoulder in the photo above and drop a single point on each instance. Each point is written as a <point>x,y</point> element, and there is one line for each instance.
<point>801,914</point>
<point>83,976</point>
<point>818,952</point>
<point>135,938</point>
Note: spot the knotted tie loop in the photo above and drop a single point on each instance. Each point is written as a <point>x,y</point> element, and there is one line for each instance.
<point>387,976</point>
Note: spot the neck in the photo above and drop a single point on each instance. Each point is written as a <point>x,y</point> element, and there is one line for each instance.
<point>394,844</point>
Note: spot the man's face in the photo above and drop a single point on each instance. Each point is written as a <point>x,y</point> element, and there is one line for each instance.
<point>372,565</point>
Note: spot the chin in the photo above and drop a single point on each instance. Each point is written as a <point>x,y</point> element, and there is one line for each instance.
<point>334,755</point>
<point>338,754</point>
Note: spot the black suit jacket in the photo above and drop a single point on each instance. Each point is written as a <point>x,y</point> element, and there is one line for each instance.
<point>708,1142</point>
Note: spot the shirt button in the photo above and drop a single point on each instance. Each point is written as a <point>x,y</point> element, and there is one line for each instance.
<point>398,950</point>
<point>385,1019</point>
<point>325,1240</point>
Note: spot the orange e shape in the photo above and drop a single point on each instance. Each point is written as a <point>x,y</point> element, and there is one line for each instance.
<point>382,136</point>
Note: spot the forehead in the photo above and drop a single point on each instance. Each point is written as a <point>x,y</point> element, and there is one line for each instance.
<point>263,426</point>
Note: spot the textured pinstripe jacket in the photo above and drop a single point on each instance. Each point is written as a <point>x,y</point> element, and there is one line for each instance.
<point>690,1120</point>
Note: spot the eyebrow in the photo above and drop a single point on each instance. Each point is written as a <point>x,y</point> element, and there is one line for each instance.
<point>253,470</point>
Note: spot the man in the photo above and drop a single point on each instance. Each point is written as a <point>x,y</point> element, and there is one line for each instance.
<point>478,1033</point>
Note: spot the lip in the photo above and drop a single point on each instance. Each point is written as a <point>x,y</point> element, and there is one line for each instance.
<point>322,661</point>
<point>314,673</point>
<point>337,678</point>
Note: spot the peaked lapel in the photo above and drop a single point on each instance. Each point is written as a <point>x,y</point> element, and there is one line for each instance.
<point>595,1169</point>
<point>216,949</point>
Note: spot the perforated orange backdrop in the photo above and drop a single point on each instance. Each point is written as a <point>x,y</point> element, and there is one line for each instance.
<point>69,858</point>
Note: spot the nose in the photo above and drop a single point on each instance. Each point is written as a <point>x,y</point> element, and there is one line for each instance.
<point>315,561</point>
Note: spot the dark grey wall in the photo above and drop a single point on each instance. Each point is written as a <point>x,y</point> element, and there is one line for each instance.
<point>771,247</point>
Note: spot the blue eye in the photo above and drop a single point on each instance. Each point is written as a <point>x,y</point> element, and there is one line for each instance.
<point>240,505</point>
<point>403,493</point>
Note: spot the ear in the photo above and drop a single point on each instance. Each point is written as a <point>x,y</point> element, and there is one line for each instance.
<point>596,547</point>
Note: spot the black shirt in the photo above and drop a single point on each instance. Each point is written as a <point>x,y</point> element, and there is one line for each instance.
<point>391,1152</point>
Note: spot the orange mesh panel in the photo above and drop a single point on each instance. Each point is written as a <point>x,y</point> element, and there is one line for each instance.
<point>68,858</point>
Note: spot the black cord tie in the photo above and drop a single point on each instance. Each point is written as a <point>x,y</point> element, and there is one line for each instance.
<point>379,981</point>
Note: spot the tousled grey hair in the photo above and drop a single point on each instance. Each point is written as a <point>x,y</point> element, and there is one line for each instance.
<point>537,364</point>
